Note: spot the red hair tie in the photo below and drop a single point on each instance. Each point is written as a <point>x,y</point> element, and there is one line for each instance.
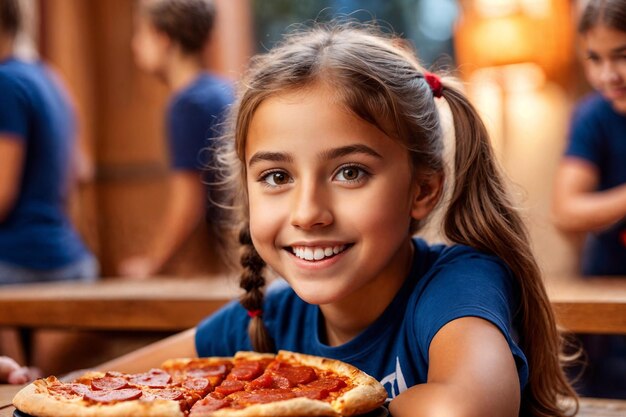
<point>255,313</point>
<point>434,82</point>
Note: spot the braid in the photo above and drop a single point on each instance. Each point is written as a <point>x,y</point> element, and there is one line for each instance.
<point>252,281</point>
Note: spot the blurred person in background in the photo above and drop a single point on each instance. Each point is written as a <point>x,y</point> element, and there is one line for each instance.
<point>37,159</point>
<point>169,42</point>
<point>37,141</point>
<point>590,185</point>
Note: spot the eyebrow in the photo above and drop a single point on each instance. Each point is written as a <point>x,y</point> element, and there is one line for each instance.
<point>326,155</point>
<point>349,150</point>
<point>270,156</point>
<point>619,50</point>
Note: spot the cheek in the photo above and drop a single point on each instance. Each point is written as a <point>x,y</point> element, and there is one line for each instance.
<point>265,218</point>
<point>385,211</point>
<point>145,52</point>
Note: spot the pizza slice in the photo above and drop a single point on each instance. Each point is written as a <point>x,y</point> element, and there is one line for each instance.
<point>248,384</point>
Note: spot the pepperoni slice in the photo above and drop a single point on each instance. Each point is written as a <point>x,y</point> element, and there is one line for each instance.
<point>230,386</point>
<point>207,404</point>
<point>169,394</point>
<point>79,389</point>
<point>246,371</point>
<point>296,374</point>
<point>312,393</point>
<point>263,396</point>
<point>279,381</point>
<point>330,384</point>
<point>205,371</point>
<point>155,378</point>
<point>264,381</point>
<point>123,394</point>
<point>196,384</point>
<point>108,383</point>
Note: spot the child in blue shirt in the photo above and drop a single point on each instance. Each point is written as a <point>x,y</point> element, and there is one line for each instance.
<point>335,150</point>
<point>590,184</point>
<point>169,42</point>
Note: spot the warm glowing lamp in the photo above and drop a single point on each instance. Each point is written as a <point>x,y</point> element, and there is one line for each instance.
<point>500,42</point>
<point>503,32</point>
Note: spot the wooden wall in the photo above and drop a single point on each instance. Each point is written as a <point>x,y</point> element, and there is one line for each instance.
<point>122,125</point>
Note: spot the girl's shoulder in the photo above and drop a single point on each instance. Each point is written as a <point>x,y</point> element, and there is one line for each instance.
<point>593,107</point>
<point>443,270</point>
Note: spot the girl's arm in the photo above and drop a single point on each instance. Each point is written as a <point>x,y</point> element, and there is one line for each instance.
<point>471,373</point>
<point>11,163</point>
<point>576,206</point>
<point>181,345</point>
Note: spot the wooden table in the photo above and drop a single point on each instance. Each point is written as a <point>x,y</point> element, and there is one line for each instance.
<point>589,305</point>
<point>589,407</point>
<point>159,304</point>
<point>584,305</point>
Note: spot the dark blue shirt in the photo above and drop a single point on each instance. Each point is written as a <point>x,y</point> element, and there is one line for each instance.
<point>34,109</point>
<point>598,135</point>
<point>193,119</point>
<point>445,283</point>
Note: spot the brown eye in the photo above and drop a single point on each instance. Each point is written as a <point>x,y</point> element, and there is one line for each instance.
<point>275,178</point>
<point>279,178</point>
<point>350,173</point>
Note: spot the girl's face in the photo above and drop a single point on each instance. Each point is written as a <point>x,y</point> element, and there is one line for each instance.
<point>330,198</point>
<point>149,46</point>
<point>605,49</point>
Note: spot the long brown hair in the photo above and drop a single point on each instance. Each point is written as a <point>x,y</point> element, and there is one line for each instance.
<point>609,13</point>
<point>380,80</point>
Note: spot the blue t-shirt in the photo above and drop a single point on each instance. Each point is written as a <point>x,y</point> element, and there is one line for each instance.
<point>598,135</point>
<point>193,117</point>
<point>445,283</point>
<point>35,110</point>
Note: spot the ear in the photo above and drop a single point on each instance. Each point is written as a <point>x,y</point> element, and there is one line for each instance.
<point>426,193</point>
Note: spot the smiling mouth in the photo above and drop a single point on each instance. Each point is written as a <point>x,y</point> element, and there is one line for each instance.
<point>316,253</point>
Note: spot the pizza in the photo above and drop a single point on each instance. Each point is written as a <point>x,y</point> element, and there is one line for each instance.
<point>248,384</point>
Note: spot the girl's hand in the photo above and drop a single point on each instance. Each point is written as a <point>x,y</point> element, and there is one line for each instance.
<point>11,372</point>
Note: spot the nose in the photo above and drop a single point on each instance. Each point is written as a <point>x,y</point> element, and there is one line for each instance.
<point>311,206</point>
<point>608,73</point>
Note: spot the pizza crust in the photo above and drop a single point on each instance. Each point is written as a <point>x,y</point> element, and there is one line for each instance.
<point>34,399</point>
<point>366,395</point>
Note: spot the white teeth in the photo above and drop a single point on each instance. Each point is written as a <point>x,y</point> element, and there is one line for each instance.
<point>316,253</point>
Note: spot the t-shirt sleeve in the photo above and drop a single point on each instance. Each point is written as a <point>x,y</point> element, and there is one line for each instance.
<point>191,127</point>
<point>223,333</point>
<point>585,136</point>
<point>13,108</point>
<point>472,286</point>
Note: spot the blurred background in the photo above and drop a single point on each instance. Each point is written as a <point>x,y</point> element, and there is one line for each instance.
<point>516,57</point>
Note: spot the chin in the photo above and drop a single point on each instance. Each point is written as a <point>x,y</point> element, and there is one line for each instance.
<point>313,295</point>
<point>619,106</point>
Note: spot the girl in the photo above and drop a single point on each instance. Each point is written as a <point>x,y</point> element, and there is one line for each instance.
<point>338,156</point>
<point>590,185</point>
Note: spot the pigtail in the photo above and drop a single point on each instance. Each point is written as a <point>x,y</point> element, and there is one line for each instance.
<point>252,281</point>
<point>481,215</point>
